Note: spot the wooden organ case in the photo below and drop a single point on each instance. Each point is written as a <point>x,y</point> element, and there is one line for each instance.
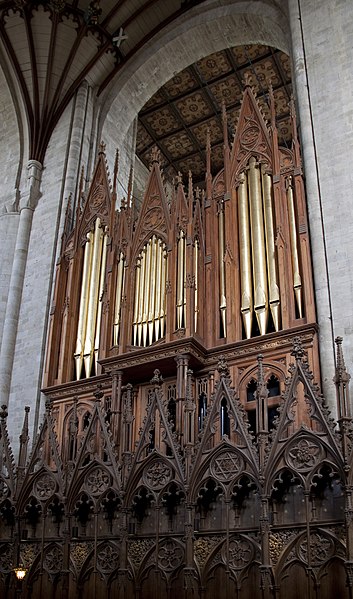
<point>186,450</point>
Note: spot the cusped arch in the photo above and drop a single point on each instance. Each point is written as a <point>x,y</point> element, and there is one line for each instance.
<point>155,473</point>
<point>280,480</point>
<point>270,368</point>
<point>324,546</point>
<point>224,464</point>
<point>304,453</point>
<point>43,486</point>
<point>95,481</point>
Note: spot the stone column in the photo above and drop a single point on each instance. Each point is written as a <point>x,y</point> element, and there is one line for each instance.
<point>28,203</point>
<point>317,233</point>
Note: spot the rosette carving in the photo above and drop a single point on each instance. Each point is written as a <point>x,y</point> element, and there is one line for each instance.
<point>170,556</point>
<point>97,481</point>
<point>157,475</point>
<point>304,454</point>
<point>44,487</point>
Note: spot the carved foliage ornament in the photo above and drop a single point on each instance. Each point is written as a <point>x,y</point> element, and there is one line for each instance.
<point>79,553</point>
<point>6,558</point>
<point>203,548</point>
<point>137,550</point>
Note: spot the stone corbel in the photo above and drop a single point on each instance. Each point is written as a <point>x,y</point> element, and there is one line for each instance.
<point>29,199</point>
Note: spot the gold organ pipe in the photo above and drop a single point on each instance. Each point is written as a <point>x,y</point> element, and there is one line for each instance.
<point>164,274</point>
<point>118,296</point>
<point>136,306</point>
<point>274,298</point>
<point>159,291</point>
<point>141,294</point>
<point>196,274</point>
<point>100,297</point>
<point>93,299</point>
<point>222,281</point>
<point>146,294</point>
<point>181,288</point>
<point>82,319</point>
<point>152,294</point>
<point>245,256</point>
<point>297,282</point>
<point>258,247</point>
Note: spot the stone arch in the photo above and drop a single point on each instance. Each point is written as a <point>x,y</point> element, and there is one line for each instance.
<point>207,29</point>
<point>13,152</point>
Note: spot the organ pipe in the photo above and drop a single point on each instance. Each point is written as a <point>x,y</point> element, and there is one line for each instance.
<point>162,314</point>
<point>152,293</point>
<point>297,283</point>
<point>159,290</point>
<point>245,256</point>
<point>118,296</point>
<point>136,306</point>
<point>196,274</point>
<point>141,295</point>
<point>270,246</point>
<point>93,298</point>
<point>100,297</point>
<point>82,319</point>
<point>146,294</point>
<point>181,281</point>
<point>149,304</point>
<point>258,247</point>
<point>222,282</point>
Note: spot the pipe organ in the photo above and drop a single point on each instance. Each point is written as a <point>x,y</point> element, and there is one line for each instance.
<point>171,334</point>
<point>223,267</point>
